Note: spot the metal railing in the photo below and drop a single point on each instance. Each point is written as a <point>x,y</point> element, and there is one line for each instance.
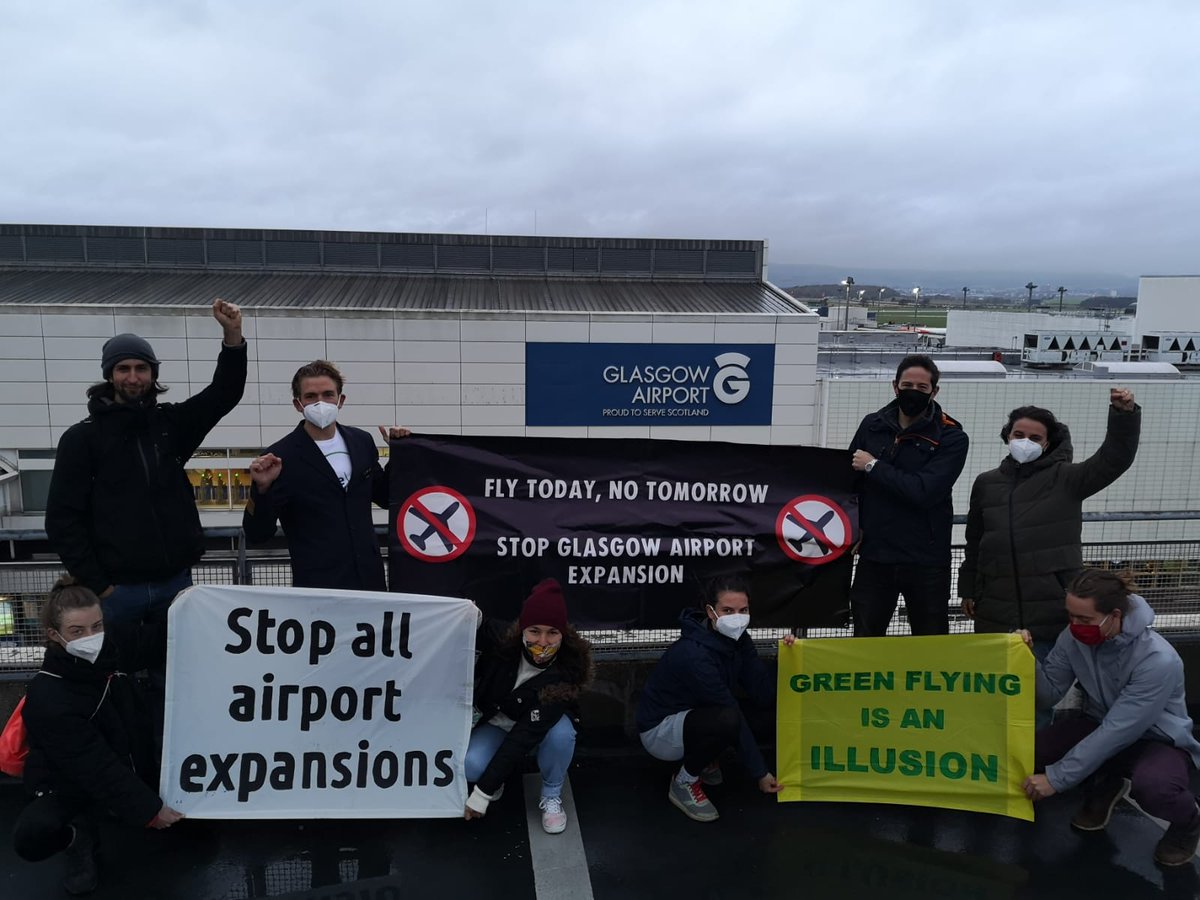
<point>1167,574</point>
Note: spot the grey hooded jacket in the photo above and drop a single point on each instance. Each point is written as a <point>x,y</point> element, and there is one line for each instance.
<point>1132,685</point>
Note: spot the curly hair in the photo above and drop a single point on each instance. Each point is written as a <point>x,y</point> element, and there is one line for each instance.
<point>1054,428</point>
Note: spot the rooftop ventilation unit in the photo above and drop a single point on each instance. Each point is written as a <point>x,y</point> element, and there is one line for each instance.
<point>1071,348</point>
<point>1179,348</point>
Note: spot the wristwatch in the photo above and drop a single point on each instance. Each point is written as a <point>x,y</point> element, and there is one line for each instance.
<point>869,466</point>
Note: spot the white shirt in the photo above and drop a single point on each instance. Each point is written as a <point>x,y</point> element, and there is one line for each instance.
<point>338,456</point>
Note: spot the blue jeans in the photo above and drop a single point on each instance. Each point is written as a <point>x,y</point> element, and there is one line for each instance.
<point>134,603</point>
<point>554,753</point>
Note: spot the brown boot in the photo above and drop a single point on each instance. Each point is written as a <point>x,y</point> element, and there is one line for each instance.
<point>1178,845</point>
<point>1098,804</point>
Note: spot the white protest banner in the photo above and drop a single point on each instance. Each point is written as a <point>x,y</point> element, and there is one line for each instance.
<point>301,703</point>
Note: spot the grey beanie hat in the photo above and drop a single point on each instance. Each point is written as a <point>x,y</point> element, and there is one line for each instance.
<point>126,346</point>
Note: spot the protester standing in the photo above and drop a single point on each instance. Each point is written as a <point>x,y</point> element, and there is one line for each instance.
<point>121,513</point>
<point>319,482</point>
<point>909,455</point>
<point>1024,538</point>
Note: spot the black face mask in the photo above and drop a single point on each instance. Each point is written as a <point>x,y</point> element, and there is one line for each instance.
<point>913,402</point>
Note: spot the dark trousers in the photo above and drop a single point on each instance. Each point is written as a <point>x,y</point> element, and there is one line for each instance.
<point>707,733</point>
<point>877,586</point>
<point>44,827</point>
<point>1159,774</point>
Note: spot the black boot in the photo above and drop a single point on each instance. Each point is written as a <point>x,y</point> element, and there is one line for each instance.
<point>81,876</point>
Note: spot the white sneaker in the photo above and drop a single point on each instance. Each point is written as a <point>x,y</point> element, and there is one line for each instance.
<point>554,820</point>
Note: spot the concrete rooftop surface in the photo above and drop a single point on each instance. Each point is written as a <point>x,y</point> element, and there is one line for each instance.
<point>626,841</point>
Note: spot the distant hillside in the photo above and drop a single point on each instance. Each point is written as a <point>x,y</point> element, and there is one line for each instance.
<point>838,291</point>
<point>952,282</point>
<point>1107,302</point>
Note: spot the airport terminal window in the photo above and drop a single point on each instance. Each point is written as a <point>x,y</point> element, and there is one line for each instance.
<point>35,488</point>
<point>8,620</point>
<point>220,488</point>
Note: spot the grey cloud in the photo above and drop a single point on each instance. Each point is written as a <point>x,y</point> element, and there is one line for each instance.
<point>872,134</point>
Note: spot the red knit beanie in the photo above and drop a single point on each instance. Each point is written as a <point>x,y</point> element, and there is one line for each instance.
<point>545,606</point>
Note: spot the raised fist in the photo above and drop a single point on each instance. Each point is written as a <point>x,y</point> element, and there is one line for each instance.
<point>265,470</point>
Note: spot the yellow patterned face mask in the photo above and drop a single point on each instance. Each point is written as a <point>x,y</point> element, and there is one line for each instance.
<point>541,655</point>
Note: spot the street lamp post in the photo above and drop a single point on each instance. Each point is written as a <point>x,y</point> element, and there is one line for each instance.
<point>1061,290</point>
<point>965,290</point>
<point>1030,287</point>
<point>916,297</point>
<point>847,284</point>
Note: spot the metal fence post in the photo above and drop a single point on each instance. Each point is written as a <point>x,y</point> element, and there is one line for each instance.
<point>241,571</point>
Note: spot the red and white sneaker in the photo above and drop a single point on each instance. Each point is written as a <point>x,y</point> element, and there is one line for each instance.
<point>554,820</point>
<point>692,801</point>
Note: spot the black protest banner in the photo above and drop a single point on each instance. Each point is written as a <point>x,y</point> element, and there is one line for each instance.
<point>633,529</point>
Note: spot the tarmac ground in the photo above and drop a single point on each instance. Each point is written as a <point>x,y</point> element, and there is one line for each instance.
<point>626,841</point>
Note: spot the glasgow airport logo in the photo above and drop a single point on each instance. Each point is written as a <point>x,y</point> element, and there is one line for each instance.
<point>658,384</point>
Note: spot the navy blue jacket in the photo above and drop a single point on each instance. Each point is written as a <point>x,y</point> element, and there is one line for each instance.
<point>906,513</point>
<point>701,669</point>
<point>330,535</point>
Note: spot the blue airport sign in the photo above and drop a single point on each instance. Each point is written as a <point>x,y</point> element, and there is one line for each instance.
<point>648,384</point>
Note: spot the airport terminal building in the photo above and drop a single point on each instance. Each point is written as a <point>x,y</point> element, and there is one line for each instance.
<point>451,334</point>
<point>505,335</point>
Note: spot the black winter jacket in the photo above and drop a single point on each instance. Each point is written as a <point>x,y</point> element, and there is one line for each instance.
<point>906,513</point>
<point>90,733</point>
<point>702,669</point>
<point>1025,528</point>
<point>535,706</point>
<point>121,509</point>
<point>330,535</point>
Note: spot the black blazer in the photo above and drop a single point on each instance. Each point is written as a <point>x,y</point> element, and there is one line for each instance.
<point>329,531</point>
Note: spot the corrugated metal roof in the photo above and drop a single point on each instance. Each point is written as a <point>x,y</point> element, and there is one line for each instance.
<point>361,252</point>
<point>107,287</point>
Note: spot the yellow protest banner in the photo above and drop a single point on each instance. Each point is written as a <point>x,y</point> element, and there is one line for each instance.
<point>943,721</point>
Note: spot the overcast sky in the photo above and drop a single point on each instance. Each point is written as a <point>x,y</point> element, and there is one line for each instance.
<point>892,133</point>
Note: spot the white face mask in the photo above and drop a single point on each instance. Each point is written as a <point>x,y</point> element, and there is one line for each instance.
<point>321,414</point>
<point>1023,450</point>
<point>733,626</point>
<point>86,648</point>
